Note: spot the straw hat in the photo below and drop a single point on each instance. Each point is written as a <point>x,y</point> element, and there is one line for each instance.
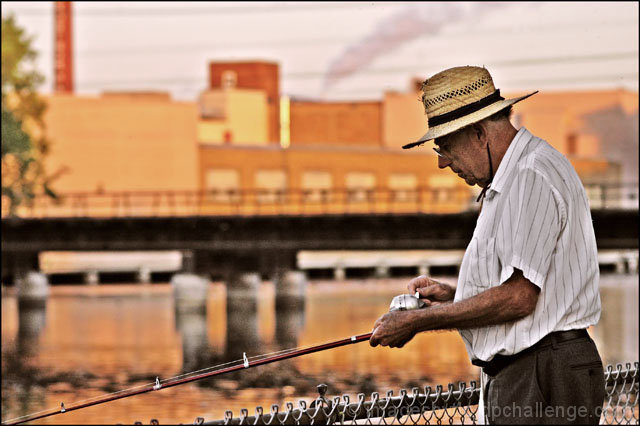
<point>457,97</point>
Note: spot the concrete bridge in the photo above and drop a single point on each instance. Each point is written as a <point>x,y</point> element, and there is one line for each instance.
<point>216,245</point>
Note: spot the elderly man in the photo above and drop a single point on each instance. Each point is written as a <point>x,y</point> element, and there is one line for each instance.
<point>528,283</point>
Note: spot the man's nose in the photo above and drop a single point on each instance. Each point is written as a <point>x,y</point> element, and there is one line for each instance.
<point>443,162</point>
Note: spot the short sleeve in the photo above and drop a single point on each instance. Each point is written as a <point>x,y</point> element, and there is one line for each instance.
<point>533,225</point>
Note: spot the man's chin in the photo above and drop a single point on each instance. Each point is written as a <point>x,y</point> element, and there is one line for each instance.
<point>470,181</point>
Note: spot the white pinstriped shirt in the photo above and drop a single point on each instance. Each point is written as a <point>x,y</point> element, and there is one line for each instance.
<point>536,218</point>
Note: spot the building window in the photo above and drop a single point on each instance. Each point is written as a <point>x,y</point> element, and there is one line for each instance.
<point>229,79</point>
<point>222,185</point>
<point>360,186</point>
<point>442,189</point>
<point>212,106</point>
<point>402,187</point>
<point>271,186</point>
<point>316,186</point>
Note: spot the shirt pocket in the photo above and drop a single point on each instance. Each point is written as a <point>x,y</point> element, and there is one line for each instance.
<point>480,268</point>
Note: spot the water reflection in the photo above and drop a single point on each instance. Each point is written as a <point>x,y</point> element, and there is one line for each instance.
<point>290,305</point>
<point>290,318</point>
<point>18,358</point>
<point>242,328</point>
<point>79,346</point>
<point>192,327</point>
<point>32,319</point>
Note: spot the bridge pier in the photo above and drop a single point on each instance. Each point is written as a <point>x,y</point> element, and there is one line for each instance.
<point>632,263</point>
<point>144,275</point>
<point>33,290</point>
<point>339,272</point>
<point>382,271</point>
<point>190,293</point>
<point>92,277</point>
<point>424,269</point>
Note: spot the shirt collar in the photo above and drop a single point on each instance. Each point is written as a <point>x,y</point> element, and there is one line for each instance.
<point>511,157</point>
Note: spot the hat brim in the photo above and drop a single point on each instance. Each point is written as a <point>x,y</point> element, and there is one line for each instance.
<point>453,125</point>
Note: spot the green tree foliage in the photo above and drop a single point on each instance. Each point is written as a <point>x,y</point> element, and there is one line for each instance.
<point>24,143</point>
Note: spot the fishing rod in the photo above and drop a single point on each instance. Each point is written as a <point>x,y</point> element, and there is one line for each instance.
<point>399,303</point>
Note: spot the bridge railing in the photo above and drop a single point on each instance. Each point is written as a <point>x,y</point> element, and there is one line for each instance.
<point>622,196</point>
<point>291,201</point>
<point>458,404</point>
<point>249,202</point>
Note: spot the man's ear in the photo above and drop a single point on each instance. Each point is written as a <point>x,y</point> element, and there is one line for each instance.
<point>479,133</point>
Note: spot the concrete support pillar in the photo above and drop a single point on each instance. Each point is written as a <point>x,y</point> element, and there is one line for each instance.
<point>144,275</point>
<point>290,289</point>
<point>382,271</point>
<point>242,315</point>
<point>190,293</point>
<point>424,269</point>
<point>91,277</point>
<point>620,267</point>
<point>632,263</point>
<point>33,289</point>
<point>339,273</point>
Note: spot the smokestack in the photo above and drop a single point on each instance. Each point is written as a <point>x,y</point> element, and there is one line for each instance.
<point>63,48</point>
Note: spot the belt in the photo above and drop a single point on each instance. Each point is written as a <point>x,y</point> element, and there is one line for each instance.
<point>499,362</point>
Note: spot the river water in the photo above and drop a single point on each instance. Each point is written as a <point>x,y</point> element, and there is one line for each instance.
<point>94,340</point>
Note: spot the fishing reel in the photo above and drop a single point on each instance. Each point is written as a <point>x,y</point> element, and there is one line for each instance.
<point>406,302</point>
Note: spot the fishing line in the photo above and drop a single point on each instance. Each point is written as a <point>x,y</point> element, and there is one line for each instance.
<point>192,376</point>
<point>237,361</point>
<point>75,403</point>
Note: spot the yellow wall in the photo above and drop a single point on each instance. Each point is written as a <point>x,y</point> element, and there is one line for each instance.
<point>243,113</point>
<point>121,143</point>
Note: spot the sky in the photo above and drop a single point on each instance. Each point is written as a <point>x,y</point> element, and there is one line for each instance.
<point>341,50</point>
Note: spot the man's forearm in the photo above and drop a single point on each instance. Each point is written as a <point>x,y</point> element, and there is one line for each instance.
<point>495,306</point>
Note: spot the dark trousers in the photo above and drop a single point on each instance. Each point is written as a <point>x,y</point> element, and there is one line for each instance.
<point>554,382</point>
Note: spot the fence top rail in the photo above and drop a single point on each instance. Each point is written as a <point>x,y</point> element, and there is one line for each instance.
<point>418,406</point>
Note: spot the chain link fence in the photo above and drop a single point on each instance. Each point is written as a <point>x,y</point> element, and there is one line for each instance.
<point>458,404</point>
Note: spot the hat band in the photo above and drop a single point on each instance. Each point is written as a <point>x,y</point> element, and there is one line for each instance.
<point>465,110</point>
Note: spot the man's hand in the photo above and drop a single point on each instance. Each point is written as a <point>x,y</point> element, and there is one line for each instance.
<point>393,329</point>
<point>431,291</point>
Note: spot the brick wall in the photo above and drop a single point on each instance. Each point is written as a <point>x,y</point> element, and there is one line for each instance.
<point>336,123</point>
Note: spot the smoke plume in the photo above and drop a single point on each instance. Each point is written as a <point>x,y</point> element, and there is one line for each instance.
<point>399,28</point>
